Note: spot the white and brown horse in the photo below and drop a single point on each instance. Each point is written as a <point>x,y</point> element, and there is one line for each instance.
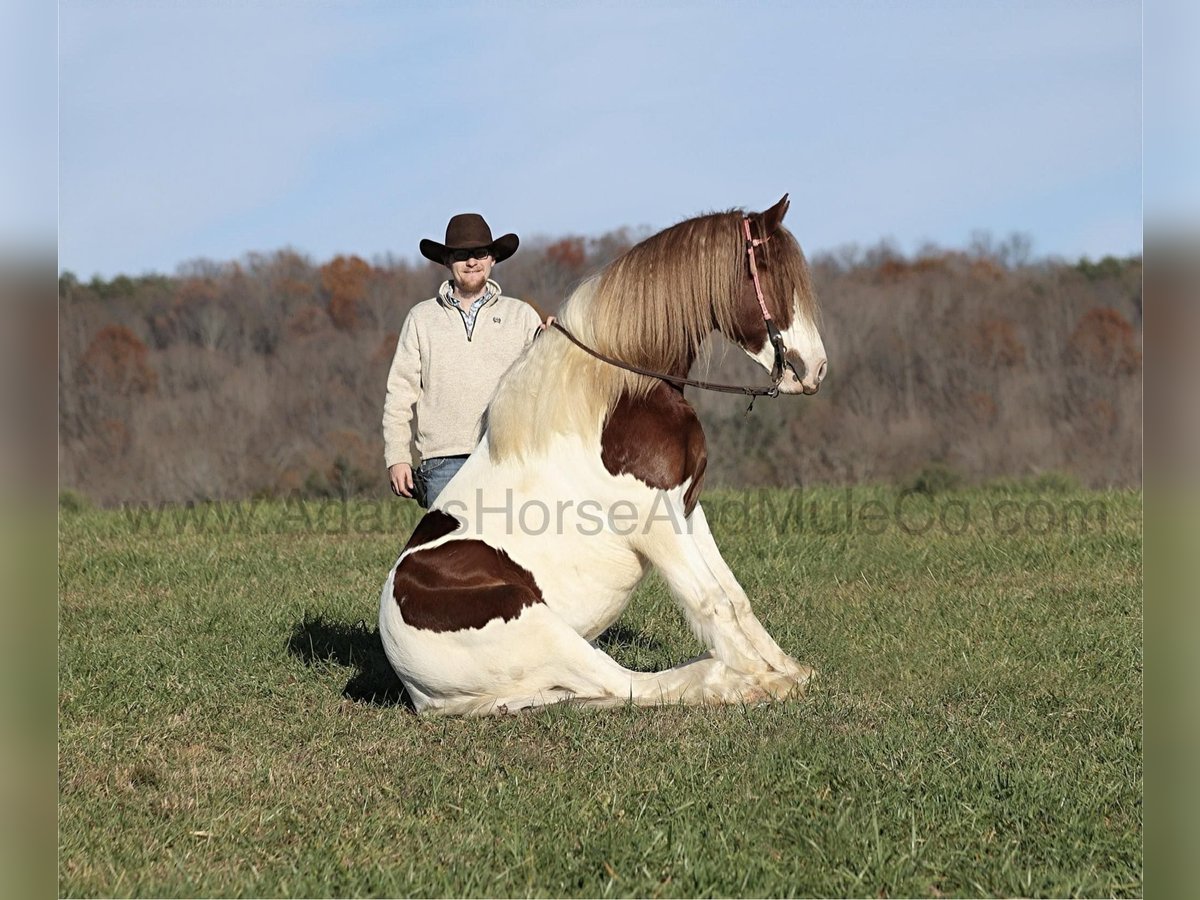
<point>587,475</point>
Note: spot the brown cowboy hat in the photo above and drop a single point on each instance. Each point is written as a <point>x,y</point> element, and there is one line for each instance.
<point>467,231</point>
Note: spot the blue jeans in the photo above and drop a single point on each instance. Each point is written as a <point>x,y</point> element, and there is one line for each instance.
<point>432,475</point>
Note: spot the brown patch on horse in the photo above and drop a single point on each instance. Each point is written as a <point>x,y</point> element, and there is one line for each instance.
<point>749,327</point>
<point>462,584</point>
<point>433,525</point>
<point>658,440</point>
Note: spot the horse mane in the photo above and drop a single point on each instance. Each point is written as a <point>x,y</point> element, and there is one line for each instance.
<point>653,307</point>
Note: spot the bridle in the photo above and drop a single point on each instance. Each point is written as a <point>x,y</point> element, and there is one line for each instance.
<point>752,243</point>
<point>772,329</point>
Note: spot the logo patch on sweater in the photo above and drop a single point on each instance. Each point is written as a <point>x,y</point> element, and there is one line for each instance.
<point>496,319</point>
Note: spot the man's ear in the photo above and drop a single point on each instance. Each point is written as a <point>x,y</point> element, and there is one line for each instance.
<point>773,217</point>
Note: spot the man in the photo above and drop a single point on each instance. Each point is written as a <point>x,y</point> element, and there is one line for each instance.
<point>452,351</point>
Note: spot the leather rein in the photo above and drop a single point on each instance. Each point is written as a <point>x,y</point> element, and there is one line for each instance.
<point>772,333</point>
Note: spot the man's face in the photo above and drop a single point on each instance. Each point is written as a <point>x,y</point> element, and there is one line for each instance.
<point>471,274</point>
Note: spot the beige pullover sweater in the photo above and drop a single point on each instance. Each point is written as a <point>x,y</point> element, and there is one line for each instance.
<point>449,376</point>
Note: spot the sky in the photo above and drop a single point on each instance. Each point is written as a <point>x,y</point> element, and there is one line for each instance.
<point>212,129</point>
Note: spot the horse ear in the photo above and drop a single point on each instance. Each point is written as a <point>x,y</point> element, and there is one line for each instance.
<point>773,217</point>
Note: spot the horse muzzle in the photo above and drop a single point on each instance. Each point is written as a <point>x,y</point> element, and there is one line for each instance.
<point>799,378</point>
<point>793,385</point>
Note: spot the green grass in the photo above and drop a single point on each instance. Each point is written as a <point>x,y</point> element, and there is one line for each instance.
<point>228,725</point>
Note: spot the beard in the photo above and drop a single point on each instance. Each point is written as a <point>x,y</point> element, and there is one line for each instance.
<point>472,283</point>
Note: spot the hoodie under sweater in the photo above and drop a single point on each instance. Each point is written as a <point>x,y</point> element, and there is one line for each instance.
<point>447,376</point>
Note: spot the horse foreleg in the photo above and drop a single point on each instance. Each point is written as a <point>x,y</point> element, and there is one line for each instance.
<point>766,645</point>
<point>538,660</point>
<point>715,604</point>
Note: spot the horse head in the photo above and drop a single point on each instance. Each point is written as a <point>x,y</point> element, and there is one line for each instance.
<point>783,285</point>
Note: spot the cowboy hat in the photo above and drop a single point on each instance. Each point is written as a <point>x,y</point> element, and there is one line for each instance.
<point>467,231</point>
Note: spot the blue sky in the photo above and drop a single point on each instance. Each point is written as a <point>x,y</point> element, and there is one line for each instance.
<point>211,129</point>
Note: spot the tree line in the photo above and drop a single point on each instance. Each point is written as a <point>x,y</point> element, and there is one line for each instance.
<point>264,376</point>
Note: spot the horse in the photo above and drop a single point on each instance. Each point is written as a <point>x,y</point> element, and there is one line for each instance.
<point>588,473</point>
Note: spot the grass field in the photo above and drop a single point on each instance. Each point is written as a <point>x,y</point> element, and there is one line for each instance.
<point>229,726</point>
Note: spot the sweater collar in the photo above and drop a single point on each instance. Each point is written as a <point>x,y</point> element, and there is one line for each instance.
<point>443,294</point>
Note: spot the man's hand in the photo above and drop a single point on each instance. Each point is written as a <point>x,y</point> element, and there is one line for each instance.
<point>400,475</point>
<point>544,325</point>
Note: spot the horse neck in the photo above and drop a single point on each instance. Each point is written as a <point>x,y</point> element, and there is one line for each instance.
<point>680,367</point>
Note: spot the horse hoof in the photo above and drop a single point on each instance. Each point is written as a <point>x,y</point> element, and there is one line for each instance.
<point>783,686</point>
<point>803,675</point>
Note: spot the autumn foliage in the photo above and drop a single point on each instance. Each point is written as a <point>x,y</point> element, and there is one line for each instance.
<point>996,342</point>
<point>117,360</point>
<point>568,253</point>
<point>344,282</point>
<point>1106,340</point>
<point>266,376</point>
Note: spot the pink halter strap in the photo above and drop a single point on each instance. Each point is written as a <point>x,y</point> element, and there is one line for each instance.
<point>751,243</point>
<point>773,334</point>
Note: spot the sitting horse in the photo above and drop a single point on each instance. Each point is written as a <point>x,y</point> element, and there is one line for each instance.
<point>589,471</point>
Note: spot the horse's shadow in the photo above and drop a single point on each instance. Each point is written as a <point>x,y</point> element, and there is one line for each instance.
<point>317,640</point>
<point>619,637</point>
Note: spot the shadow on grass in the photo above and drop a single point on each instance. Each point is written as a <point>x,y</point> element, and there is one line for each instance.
<point>619,637</point>
<point>317,640</point>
